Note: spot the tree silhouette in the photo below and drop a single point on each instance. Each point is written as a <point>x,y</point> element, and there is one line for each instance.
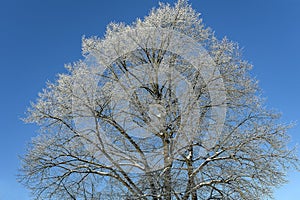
<point>159,109</point>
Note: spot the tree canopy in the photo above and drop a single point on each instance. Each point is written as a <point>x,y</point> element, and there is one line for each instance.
<point>159,109</point>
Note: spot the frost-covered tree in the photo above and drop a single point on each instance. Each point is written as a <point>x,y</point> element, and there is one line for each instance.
<point>159,109</point>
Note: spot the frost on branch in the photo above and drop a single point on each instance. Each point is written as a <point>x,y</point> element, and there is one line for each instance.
<point>159,109</point>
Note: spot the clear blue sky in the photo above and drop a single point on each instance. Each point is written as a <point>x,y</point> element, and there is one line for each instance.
<point>38,37</point>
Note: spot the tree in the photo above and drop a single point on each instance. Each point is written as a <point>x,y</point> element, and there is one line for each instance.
<point>159,109</point>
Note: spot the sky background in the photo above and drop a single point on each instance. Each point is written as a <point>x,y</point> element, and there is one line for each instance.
<point>38,37</point>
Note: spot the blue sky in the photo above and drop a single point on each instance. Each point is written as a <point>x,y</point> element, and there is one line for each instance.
<point>38,37</point>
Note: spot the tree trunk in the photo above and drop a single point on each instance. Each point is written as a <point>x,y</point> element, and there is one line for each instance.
<point>167,174</point>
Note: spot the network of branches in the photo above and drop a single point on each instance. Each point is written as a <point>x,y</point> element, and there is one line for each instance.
<point>159,109</point>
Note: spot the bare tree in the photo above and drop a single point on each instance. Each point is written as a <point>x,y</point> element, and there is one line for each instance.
<point>160,110</point>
